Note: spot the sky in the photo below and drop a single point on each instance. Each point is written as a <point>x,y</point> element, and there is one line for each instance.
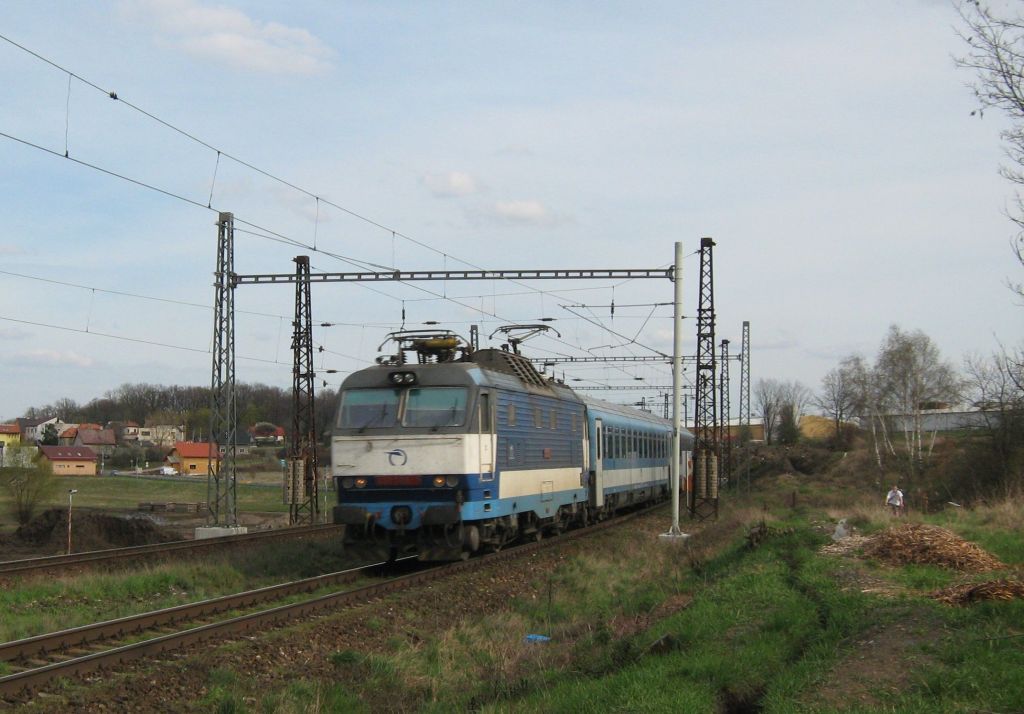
<point>829,149</point>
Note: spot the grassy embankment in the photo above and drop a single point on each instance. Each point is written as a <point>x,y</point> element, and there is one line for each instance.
<point>717,626</point>
<point>40,605</point>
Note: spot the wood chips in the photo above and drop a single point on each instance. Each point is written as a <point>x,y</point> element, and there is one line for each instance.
<point>929,545</point>
<point>975,592</point>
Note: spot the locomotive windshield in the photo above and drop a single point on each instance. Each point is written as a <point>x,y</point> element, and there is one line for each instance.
<point>431,407</point>
<point>435,407</point>
<point>364,408</point>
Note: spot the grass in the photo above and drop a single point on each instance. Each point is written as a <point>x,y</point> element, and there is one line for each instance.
<point>126,492</point>
<point>40,606</point>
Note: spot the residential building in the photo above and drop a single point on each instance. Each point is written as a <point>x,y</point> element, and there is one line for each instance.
<point>193,457</point>
<point>70,460</point>
<point>10,434</point>
<point>101,441</point>
<point>161,435</point>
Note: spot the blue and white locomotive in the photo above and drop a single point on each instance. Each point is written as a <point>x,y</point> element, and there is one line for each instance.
<point>462,450</point>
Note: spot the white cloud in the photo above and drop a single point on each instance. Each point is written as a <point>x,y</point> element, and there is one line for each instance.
<point>55,357</point>
<point>522,212</point>
<point>230,36</point>
<point>450,184</point>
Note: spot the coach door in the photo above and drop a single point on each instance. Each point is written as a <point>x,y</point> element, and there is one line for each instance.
<point>486,438</point>
<point>597,498</point>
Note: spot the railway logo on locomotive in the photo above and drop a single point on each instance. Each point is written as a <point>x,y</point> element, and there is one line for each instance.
<point>395,454</point>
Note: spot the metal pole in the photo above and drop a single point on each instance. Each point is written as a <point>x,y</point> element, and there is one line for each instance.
<point>71,493</point>
<point>677,380</point>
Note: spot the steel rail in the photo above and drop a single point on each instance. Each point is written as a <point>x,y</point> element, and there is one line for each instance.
<point>20,683</point>
<point>22,567</point>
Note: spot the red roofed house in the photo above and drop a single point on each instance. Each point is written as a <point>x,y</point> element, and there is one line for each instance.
<point>68,436</point>
<point>193,457</point>
<point>70,460</point>
<point>10,434</point>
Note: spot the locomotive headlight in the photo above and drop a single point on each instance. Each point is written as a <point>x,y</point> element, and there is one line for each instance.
<point>360,482</point>
<point>395,377</point>
<point>438,481</point>
<point>402,378</point>
<point>347,482</point>
<point>409,378</point>
<point>452,481</point>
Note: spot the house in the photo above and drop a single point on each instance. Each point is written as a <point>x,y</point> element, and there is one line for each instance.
<point>68,436</point>
<point>70,460</point>
<point>10,434</point>
<point>127,432</point>
<point>193,457</point>
<point>161,435</point>
<point>266,433</point>
<point>101,441</point>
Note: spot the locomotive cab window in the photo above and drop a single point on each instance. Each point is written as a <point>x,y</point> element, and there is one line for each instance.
<point>485,413</point>
<point>368,408</point>
<point>435,407</point>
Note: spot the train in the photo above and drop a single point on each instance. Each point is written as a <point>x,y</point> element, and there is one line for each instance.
<point>441,450</point>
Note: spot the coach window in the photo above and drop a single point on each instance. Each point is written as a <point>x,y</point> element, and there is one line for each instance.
<point>511,414</point>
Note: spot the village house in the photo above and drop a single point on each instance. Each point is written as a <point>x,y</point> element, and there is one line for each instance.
<point>10,434</point>
<point>70,460</point>
<point>193,457</point>
<point>101,441</point>
<point>165,435</point>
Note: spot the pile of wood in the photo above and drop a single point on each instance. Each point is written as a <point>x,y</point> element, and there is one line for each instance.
<point>929,545</point>
<point>975,592</point>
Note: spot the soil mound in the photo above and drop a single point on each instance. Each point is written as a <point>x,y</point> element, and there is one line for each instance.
<point>929,545</point>
<point>90,531</point>
<point>976,592</point>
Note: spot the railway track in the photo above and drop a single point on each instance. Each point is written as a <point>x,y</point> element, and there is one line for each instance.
<point>62,563</point>
<point>42,659</point>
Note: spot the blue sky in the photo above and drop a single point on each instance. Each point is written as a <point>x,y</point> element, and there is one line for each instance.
<point>827,147</point>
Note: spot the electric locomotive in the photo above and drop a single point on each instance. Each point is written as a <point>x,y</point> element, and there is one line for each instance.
<point>443,450</point>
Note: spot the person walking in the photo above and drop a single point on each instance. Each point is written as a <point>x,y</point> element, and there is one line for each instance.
<point>894,500</point>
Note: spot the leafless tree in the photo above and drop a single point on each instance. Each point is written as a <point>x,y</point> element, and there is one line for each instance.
<point>996,56</point>
<point>997,388</point>
<point>837,397</point>
<point>28,485</point>
<point>768,399</point>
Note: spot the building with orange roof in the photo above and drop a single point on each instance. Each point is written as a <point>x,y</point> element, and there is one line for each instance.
<point>194,457</point>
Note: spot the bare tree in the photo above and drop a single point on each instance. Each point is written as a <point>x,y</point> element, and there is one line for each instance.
<point>837,398</point>
<point>996,57</point>
<point>29,486</point>
<point>768,399</point>
<point>997,388</point>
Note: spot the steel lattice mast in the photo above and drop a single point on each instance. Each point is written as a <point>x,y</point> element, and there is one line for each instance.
<point>704,502</point>
<point>745,434</point>
<point>724,434</point>
<point>303,482</point>
<point>220,481</point>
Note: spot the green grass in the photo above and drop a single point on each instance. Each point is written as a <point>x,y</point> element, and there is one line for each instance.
<point>126,492</point>
<point>39,606</point>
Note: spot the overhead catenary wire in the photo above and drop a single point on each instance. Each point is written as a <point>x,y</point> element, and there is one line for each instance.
<point>268,233</point>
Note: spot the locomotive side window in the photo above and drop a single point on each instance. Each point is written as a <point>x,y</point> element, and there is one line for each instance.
<point>435,406</point>
<point>485,413</point>
<point>538,418</point>
<point>511,414</point>
<point>553,419</point>
<point>365,408</point>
